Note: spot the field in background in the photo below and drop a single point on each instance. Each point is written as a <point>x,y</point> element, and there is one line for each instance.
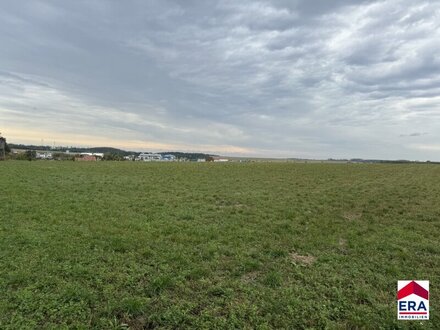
<point>184,245</point>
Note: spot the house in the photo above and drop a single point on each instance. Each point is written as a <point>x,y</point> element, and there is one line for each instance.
<point>149,157</point>
<point>169,158</point>
<point>219,159</point>
<point>152,157</point>
<point>96,154</point>
<point>43,155</point>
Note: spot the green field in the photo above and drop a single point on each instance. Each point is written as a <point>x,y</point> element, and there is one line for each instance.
<point>185,245</point>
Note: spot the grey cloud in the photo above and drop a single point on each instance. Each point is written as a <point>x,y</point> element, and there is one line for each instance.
<point>318,78</point>
<point>415,134</point>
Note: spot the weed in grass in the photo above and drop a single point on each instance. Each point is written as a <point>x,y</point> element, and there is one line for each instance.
<point>273,279</point>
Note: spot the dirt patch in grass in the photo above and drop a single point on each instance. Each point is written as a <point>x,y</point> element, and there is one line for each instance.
<point>232,206</point>
<point>351,215</point>
<point>342,242</point>
<point>342,245</point>
<point>239,205</point>
<point>302,259</point>
<point>229,204</point>
<point>137,323</point>
<point>250,277</point>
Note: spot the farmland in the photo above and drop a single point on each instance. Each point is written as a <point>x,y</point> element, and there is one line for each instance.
<point>236,245</point>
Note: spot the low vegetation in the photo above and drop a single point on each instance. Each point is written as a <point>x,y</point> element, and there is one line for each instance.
<point>186,245</point>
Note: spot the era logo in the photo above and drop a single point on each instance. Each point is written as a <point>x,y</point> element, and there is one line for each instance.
<point>413,300</point>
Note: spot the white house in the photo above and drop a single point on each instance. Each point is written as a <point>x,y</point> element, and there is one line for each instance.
<point>169,158</point>
<point>96,154</point>
<point>147,157</point>
<point>43,155</point>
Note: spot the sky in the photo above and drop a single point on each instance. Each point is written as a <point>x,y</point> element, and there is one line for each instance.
<point>281,78</point>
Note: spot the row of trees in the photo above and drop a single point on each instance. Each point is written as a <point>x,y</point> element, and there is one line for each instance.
<point>113,156</point>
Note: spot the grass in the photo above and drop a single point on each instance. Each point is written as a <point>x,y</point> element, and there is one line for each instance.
<point>183,245</point>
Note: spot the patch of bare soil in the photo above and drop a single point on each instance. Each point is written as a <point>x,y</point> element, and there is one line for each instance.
<point>342,242</point>
<point>302,259</point>
<point>343,245</point>
<point>351,216</point>
<point>250,277</point>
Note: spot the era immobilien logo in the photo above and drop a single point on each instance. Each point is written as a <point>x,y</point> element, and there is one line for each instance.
<point>413,300</point>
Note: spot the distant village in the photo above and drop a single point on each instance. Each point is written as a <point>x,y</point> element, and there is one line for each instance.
<point>33,152</point>
<point>10,151</point>
<point>96,156</point>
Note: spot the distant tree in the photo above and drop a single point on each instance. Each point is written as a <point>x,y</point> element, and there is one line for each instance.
<point>4,148</point>
<point>27,155</point>
<point>31,155</point>
<point>62,156</point>
<point>113,156</point>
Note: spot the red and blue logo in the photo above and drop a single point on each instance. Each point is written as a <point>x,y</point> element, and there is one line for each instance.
<point>413,300</point>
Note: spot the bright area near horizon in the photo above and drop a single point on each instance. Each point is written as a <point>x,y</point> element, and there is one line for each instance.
<point>309,79</point>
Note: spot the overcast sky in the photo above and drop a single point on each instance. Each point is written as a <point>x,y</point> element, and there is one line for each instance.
<point>284,78</point>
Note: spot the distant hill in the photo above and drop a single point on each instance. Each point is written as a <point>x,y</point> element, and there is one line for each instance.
<point>106,150</point>
<point>109,150</point>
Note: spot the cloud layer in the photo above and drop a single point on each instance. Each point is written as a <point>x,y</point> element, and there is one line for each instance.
<point>268,78</point>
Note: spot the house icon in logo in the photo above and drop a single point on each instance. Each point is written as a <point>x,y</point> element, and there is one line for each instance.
<point>413,300</point>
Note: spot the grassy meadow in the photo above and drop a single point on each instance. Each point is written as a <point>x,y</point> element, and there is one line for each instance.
<point>113,245</point>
